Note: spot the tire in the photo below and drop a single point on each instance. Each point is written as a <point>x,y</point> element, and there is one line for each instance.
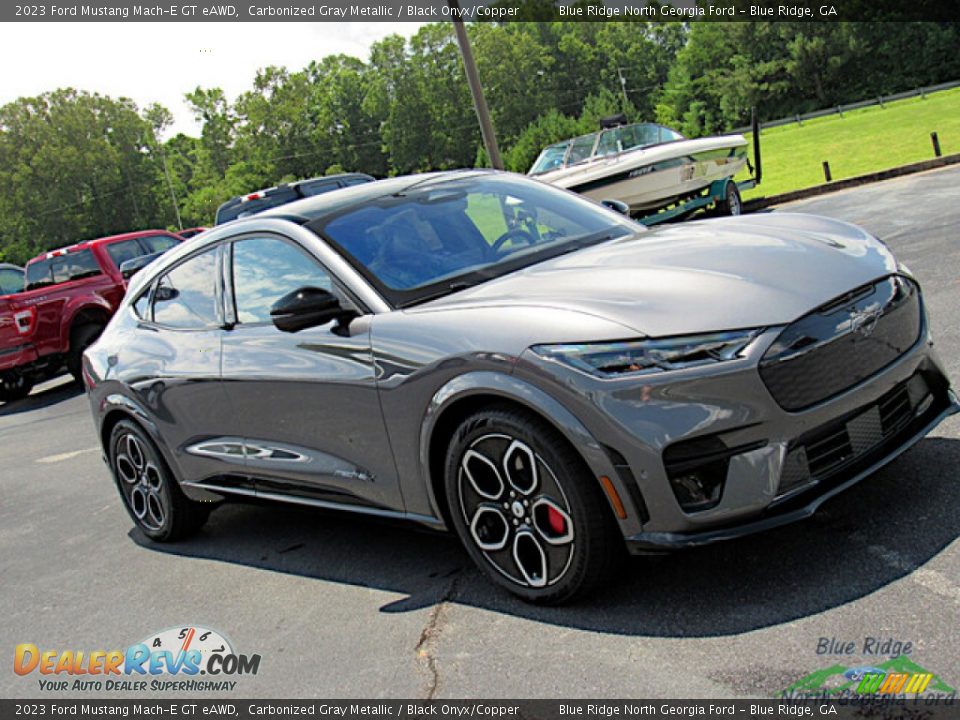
<point>14,386</point>
<point>527,509</point>
<point>730,204</point>
<point>81,338</point>
<point>150,493</point>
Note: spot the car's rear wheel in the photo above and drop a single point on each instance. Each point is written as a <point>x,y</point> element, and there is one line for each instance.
<point>527,509</point>
<point>149,491</point>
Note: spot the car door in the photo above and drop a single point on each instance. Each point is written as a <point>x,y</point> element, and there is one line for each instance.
<point>307,401</point>
<point>175,369</point>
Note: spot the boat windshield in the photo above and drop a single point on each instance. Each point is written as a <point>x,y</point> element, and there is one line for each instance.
<point>630,137</point>
<point>551,158</point>
<point>612,141</point>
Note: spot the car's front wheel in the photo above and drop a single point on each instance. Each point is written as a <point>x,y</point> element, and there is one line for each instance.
<point>527,509</point>
<point>150,493</point>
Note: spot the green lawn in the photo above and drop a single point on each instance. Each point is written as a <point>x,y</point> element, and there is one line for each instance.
<point>862,141</point>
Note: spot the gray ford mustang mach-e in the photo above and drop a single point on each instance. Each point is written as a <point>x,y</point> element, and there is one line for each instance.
<point>482,352</point>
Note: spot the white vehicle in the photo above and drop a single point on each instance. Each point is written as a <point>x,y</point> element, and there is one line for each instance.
<point>644,165</point>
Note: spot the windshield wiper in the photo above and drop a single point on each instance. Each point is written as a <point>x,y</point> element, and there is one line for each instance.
<point>447,289</point>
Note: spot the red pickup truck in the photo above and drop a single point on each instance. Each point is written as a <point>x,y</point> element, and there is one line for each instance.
<point>69,296</point>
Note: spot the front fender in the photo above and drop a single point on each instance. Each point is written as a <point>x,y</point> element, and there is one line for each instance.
<point>487,383</point>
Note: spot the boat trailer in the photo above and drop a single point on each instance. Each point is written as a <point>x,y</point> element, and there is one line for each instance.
<point>718,194</point>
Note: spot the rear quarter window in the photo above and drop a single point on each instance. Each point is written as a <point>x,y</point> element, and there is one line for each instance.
<point>39,274</point>
<point>61,269</point>
<point>74,266</point>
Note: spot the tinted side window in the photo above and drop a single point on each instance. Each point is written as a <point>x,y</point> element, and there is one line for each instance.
<point>186,296</point>
<point>124,250</point>
<point>265,269</point>
<point>39,274</point>
<point>74,266</point>
<point>158,243</point>
<point>311,189</point>
<point>278,196</point>
<point>11,281</point>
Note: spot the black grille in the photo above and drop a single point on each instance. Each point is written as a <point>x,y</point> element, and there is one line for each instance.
<point>829,449</point>
<point>842,343</point>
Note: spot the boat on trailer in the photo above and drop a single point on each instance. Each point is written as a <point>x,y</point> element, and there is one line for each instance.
<point>644,165</point>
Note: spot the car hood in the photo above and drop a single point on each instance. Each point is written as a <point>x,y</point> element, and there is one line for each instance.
<point>721,274</point>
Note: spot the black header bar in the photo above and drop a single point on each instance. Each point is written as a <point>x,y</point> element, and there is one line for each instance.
<point>479,11</point>
<point>887,707</point>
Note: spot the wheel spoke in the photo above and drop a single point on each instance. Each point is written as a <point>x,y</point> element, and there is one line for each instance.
<point>155,509</point>
<point>490,529</point>
<point>520,467</point>
<point>135,452</point>
<point>483,475</point>
<point>530,558</point>
<point>138,502</point>
<point>551,521</point>
<point>126,470</point>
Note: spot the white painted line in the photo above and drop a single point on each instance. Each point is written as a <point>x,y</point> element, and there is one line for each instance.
<point>67,455</point>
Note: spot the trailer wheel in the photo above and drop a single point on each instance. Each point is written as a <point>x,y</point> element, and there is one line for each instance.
<point>730,203</point>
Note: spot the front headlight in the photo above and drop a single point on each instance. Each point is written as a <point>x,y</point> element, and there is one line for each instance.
<point>650,356</point>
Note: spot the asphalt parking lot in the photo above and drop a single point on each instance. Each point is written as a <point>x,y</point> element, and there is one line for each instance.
<point>344,607</point>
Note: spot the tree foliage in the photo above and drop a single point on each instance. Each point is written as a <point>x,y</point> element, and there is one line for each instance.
<point>77,165</point>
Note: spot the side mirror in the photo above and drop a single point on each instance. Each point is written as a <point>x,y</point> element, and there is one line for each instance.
<point>163,293</point>
<point>304,308</point>
<point>617,206</point>
<point>131,267</point>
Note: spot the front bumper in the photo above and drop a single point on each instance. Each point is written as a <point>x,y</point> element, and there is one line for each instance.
<point>642,421</point>
<point>804,504</point>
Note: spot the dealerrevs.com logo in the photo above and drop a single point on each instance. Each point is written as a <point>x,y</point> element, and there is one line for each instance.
<point>170,660</point>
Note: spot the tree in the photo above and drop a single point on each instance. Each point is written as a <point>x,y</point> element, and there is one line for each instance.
<point>76,165</point>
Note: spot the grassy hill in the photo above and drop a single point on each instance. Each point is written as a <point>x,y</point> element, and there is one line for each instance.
<point>862,141</point>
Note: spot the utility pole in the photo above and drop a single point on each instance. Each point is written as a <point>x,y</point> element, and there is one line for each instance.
<point>476,90</point>
<point>623,88</point>
<point>173,195</point>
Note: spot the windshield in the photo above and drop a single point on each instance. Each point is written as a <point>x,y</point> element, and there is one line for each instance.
<point>630,137</point>
<point>610,142</point>
<point>443,236</point>
<point>550,159</point>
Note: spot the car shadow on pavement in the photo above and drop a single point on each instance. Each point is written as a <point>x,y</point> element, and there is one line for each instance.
<point>43,398</point>
<point>873,535</point>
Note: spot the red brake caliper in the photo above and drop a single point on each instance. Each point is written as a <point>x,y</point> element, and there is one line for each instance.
<point>557,523</point>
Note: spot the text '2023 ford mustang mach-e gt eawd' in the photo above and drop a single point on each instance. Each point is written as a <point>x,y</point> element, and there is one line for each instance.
<point>484,353</point>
